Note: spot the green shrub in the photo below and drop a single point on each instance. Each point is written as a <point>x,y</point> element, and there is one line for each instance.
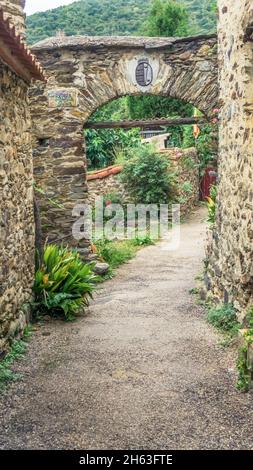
<point>244,366</point>
<point>17,351</point>
<point>63,283</point>
<point>249,318</point>
<point>245,373</point>
<point>223,317</point>
<point>147,177</point>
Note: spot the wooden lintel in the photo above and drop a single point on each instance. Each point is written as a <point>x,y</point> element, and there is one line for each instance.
<point>145,124</point>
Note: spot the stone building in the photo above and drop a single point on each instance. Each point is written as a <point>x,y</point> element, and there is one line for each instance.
<point>17,69</point>
<point>230,270</point>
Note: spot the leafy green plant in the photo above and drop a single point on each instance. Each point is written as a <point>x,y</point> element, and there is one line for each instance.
<point>189,163</point>
<point>143,241</point>
<point>106,147</point>
<point>113,198</point>
<point>249,318</point>
<point>17,351</point>
<point>245,370</point>
<point>223,317</point>
<point>63,283</point>
<point>207,144</point>
<point>244,365</point>
<point>147,176</point>
<point>187,187</point>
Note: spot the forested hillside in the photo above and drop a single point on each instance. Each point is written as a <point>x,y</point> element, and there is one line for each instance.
<point>202,14</point>
<point>112,17</point>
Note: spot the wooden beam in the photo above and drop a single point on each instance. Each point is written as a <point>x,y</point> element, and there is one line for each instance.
<point>145,124</point>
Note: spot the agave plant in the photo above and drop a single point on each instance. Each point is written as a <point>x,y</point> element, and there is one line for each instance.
<point>63,283</point>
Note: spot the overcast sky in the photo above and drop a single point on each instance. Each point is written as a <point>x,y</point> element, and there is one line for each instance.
<point>32,6</point>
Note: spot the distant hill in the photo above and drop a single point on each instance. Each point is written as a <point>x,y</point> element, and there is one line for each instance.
<point>111,17</point>
<point>202,16</point>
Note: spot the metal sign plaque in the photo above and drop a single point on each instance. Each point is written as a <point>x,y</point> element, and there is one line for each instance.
<point>144,73</point>
<point>62,98</point>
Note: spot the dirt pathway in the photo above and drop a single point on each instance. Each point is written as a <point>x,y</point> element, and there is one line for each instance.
<point>142,371</point>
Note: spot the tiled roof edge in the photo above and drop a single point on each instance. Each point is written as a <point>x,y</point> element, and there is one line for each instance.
<point>19,50</point>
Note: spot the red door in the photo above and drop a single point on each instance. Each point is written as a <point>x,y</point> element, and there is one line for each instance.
<point>208,179</point>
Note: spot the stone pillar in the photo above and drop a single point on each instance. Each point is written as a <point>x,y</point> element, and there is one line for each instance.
<point>59,161</point>
<point>14,10</point>
<point>230,271</point>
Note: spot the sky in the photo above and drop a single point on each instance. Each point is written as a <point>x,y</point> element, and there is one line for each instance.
<point>32,6</point>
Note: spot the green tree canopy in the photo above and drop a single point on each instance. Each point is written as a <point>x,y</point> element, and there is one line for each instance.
<point>166,18</point>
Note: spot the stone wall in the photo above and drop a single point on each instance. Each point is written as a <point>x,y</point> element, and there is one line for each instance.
<point>14,10</point>
<point>184,162</point>
<point>85,73</point>
<point>230,271</point>
<point>105,182</point>
<point>16,206</point>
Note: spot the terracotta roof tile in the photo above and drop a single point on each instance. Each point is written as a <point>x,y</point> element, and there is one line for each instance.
<point>105,172</point>
<point>15,53</point>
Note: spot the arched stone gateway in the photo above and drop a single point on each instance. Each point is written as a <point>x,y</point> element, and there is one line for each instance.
<point>84,73</point>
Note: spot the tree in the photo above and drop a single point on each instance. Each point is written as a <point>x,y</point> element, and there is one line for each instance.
<point>167,18</point>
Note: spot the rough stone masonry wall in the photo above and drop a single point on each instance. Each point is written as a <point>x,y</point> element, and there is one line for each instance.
<point>230,271</point>
<point>85,73</point>
<point>14,10</point>
<point>105,182</point>
<point>16,206</point>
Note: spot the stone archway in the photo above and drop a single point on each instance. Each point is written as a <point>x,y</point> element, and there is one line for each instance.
<point>85,73</point>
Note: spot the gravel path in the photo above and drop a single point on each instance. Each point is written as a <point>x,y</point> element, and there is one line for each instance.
<point>142,370</point>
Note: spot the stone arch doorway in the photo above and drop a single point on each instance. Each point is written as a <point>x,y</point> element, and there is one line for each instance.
<point>85,73</point>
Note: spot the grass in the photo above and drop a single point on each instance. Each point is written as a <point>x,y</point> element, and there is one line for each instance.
<point>117,252</point>
<point>16,352</point>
